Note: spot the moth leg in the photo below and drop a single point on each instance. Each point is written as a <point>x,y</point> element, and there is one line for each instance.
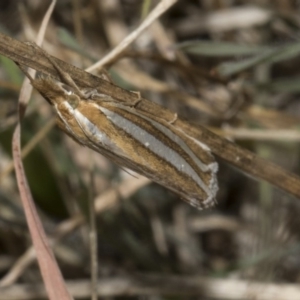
<point>65,77</point>
<point>108,98</point>
<point>95,95</point>
<point>136,101</point>
<point>174,119</point>
<point>89,93</point>
<point>105,75</point>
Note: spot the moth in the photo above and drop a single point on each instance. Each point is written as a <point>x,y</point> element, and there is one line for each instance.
<point>134,139</point>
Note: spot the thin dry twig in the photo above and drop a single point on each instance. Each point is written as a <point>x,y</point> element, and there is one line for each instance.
<point>161,7</point>
<point>18,268</point>
<point>283,135</point>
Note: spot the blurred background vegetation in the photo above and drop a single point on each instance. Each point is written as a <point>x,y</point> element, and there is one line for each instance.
<point>230,65</point>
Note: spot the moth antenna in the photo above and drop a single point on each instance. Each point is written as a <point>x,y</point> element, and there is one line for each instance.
<point>65,77</point>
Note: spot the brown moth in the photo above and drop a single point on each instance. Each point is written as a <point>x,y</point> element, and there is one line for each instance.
<point>133,139</point>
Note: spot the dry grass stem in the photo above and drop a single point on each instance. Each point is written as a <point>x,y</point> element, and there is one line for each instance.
<point>161,7</point>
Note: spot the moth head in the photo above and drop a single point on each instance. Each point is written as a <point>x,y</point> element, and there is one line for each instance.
<point>56,92</point>
<point>70,95</point>
<point>50,89</point>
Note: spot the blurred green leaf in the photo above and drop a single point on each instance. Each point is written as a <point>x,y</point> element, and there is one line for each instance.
<point>145,8</point>
<point>42,181</point>
<point>212,48</point>
<point>284,85</point>
<point>11,70</point>
<point>269,56</point>
<point>231,68</point>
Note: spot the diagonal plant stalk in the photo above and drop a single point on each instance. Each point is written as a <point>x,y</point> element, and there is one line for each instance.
<point>240,158</point>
